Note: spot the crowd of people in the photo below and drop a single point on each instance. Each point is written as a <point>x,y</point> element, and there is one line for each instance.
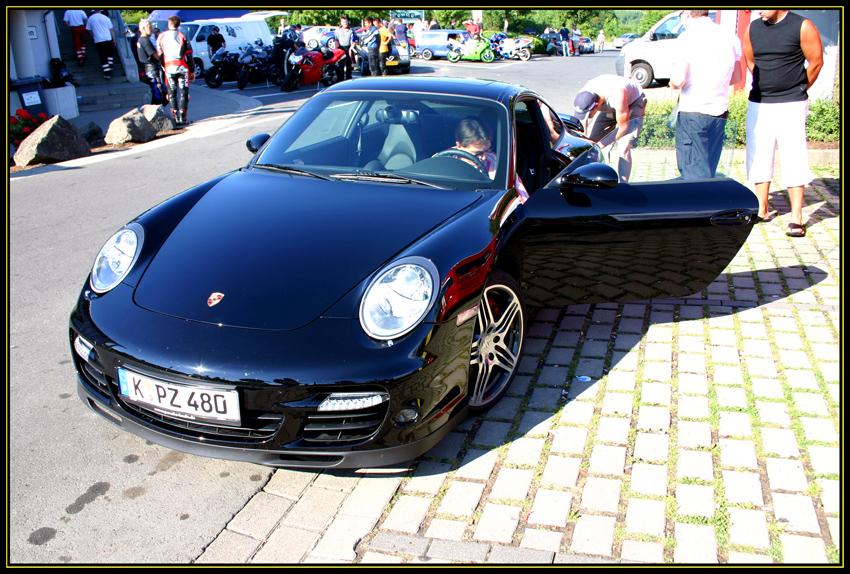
<point>784,54</point>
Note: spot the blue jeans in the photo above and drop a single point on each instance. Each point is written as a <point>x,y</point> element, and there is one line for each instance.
<point>699,142</point>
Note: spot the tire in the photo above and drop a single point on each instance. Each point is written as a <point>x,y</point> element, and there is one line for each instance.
<point>290,82</point>
<point>199,68</point>
<point>524,54</point>
<point>214,78</point>
<point>332,44</point>
<point>312,44</point>
<point>274,75</point>
<point>453,57</point>
<point>497,341</point>
<point>427,54</point>
<point>332,76</point>
<point>487,56</point>
<point>642,74</point>
<point>242,80</point>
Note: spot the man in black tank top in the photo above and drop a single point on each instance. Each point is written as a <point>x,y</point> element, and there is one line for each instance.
<point>777,47</point>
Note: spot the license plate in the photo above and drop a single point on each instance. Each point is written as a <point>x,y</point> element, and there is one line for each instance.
<point>391,63</point>
<point>180,401</point>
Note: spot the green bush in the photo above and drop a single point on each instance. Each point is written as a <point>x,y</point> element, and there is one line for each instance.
<point>824,121</point>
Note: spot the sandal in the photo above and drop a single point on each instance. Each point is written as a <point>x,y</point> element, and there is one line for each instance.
<point>766,219</point>
<point>795,230</point>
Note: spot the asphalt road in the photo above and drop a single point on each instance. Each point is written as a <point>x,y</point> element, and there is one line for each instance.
<point>80,490</point>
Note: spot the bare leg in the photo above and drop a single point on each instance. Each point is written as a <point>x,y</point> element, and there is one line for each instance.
<point>761,194</point>
<point>795,195</point>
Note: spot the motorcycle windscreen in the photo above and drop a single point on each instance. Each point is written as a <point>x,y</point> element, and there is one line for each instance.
<point>583,242</point>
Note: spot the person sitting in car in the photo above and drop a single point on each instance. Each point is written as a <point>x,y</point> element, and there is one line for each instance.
<point>474,137</point>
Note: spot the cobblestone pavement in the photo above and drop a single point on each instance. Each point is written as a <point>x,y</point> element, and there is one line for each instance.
<point>697,430</point>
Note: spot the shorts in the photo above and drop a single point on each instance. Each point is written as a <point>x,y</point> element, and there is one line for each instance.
<point>781,125</point>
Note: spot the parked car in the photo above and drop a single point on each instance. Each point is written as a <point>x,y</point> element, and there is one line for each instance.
<point>347,297</point>
<point>398,59</point>
<point>652,56</point>
<point>313,36</point>
<point>621,41</point>
<point>435,43</point>
<point>586,45</point>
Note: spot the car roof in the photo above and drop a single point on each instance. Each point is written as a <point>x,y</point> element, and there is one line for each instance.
<point>490,89</point>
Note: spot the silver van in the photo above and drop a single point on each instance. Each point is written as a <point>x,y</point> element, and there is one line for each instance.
<point>651,56</point>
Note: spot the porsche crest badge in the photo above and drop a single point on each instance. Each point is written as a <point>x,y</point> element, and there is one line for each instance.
<point>215,299</point>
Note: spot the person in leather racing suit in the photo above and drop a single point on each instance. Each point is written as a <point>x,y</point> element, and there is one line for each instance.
<point>175,53</point>
<point>149,58</point>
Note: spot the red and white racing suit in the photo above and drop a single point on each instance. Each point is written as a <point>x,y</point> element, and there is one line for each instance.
<point>176,56</point>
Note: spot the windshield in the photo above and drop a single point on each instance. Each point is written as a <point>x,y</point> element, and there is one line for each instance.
<point>449,141</point>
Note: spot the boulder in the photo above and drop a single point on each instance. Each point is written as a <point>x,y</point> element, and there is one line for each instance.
<point>131,127</point>
<point>55,140</point>
<point>159,118</point>
<point>93,134</point>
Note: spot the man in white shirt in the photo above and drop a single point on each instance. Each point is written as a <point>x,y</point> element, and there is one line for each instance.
<point>708,61</point>
<point>76,21</point>
<point>100,28</point>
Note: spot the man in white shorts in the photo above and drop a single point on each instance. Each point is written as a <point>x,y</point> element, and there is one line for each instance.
<point>776,47</point>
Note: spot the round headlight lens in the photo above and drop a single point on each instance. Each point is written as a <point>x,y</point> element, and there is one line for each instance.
<point>398,298</point>
<point>115,259</point>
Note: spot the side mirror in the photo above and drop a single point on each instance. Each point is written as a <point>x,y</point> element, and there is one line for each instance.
<point>598,175</point>
<point>255,143</point>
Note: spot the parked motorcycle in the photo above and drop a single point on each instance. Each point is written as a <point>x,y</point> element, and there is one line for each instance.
<point>510,48</point>
<point>470,50</point>
<point>311,67</point>
<point>225,68</point>
<point>257,66</point>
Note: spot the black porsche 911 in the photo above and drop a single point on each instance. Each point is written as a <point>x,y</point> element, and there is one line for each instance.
<point>361,285</point>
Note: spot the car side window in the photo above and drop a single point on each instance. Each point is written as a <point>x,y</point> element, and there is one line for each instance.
<point>554,125</point>
<point>669,29</point>
<point>203,33</point>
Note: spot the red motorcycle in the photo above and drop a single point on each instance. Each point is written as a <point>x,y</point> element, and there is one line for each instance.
<point>308,68</point>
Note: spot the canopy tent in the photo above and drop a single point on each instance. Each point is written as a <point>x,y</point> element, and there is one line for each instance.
<point>191,15</point>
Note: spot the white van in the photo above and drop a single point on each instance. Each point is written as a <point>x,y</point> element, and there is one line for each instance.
<point>650,57</point>
<point>236,32</point>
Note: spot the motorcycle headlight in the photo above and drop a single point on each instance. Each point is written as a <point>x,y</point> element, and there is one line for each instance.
<point>294,60</point>
<point>116,258</point>
<point>398,298</point>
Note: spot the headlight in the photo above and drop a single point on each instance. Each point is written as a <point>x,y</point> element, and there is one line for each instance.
<point>116,258</point>
<point>398,298</point>
<point>295,60</point>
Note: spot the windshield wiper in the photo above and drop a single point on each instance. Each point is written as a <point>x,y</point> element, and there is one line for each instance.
<point>381,177</point>
<point>290,169</point>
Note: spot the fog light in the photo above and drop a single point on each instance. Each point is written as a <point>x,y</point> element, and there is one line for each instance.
<point>83,348</point>
<point>406,416</point>
<point>352,401</point>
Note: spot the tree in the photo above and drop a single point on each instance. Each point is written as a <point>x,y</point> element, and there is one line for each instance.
<point>649,19</point>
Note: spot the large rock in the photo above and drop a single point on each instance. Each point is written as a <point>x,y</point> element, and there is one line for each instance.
<point>55,140</point>
<point>159,118</point>
<point>93,134</point>
<point>131,127</point>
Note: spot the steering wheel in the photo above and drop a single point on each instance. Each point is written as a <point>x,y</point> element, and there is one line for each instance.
<point>459,153</point>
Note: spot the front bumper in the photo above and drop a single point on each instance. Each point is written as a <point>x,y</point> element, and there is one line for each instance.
<point>281,377</point>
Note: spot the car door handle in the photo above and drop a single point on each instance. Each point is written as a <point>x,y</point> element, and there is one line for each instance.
<point>736,218</point>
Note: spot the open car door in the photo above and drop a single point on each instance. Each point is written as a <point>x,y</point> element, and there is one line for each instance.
<point>588,238</point>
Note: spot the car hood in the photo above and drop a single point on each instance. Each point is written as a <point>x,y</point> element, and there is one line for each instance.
<point>282,250</point>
